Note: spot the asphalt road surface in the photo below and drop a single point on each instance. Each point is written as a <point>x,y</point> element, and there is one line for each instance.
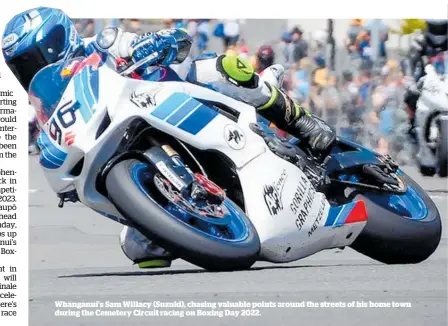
<point>75,256</point>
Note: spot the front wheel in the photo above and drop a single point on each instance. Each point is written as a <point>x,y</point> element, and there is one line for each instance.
<point>212,237</point>
<point>401,228</point>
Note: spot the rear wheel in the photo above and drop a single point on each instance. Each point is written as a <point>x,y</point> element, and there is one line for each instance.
<point>427,171</point>
<point>401,228</point>
<point>215,237</point>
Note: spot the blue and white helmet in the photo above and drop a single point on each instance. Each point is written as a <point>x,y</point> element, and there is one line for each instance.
<point>36,38</point>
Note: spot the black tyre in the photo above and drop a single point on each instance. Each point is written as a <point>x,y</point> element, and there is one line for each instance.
<point>442,149</point>
<point>427,171</point>
<point>406,232</point>
<point>175,235</point>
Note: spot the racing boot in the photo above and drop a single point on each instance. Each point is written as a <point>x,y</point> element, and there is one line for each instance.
<point>142,251</point>
<point>294,119</point>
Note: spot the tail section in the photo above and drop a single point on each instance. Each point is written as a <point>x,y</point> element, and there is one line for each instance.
<point>353,212</point>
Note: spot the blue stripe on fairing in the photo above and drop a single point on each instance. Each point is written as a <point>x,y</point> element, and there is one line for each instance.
<point>85,80</point>
<point>198,120</point>
<point>91,79</point>
<point>185,112</point>
<point>342,217</point>
<point>50,157</point>
<point>182,112</point>
<point>86,92</point>
<point>169,105</point>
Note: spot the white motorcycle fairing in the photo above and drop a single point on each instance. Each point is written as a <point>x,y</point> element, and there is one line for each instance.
<point>291,218</point>
<point>434,97</point>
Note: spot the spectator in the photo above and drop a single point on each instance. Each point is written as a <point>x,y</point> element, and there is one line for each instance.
<point>384,37</point>
<point>352,117</point>
<point>203,34</point>
<point>320,38</point>
<point>231,32</point>
<point>365,87</point>
<point>363,45</point>
<point>320,75</point>
<point>387,112</point>
<point>135,26</point>
<point>167,23</point>
<point>287,49</point>
<point>319,79</point>
<point>85,27</point>
<point>332,101</point>
<point>300,45</point>
<point>243,50</point>
<point>301,81</point>
<point>192,27</point>
<point>353,31</point>
<point>178,23</point>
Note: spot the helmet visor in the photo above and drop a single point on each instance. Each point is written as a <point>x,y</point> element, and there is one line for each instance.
<point>47,51</point>
<point>26,65</point>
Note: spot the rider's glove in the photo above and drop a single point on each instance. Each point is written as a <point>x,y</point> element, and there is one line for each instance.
<point>162,48</point>
<point>148,47</point>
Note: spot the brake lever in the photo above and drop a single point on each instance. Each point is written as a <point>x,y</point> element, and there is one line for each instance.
<point>132,66</point>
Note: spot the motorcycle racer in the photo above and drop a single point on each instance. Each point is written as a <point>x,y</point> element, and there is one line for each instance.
<point>433,41</point>
<point>39,37</point>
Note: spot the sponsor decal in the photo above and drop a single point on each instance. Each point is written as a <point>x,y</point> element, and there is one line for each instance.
<point>302,201</point>
<point>273,194</point>
<point>73,35</point>
<point>288,109</point>
<point>234,137</point>
<point>171,176</point>
<point>146,99</point>
<point>9,40</point>
<point>319,217</point>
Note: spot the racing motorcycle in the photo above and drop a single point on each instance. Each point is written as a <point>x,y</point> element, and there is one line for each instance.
<point>199,174</point>
<point>432,124</point>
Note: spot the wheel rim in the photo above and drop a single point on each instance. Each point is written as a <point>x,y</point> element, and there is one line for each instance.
<point>231,228</point>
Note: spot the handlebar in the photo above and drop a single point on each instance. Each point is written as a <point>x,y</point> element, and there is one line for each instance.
<point>131,66</point>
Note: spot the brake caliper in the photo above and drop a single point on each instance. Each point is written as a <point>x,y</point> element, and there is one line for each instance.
<point>207,190</point>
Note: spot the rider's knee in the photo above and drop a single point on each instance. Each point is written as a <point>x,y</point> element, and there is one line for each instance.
<point>237,70</point>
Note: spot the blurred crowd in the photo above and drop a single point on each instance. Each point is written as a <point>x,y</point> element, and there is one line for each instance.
<point>361,99</point>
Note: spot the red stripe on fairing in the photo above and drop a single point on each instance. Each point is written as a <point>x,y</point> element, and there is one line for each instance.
<point>358,213</point>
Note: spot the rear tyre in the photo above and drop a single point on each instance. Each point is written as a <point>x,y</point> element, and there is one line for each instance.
<point>392,237</point>
<point>427,171</point>
<point>148,216</point>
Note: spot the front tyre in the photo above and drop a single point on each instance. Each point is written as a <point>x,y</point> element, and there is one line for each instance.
<point>131,187</point>
<point>401,229</point>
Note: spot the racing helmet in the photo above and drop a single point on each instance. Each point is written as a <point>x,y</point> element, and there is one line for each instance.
<point>36,38</point>
<point>265,57</point>
<point>436,33</point>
